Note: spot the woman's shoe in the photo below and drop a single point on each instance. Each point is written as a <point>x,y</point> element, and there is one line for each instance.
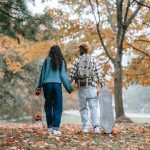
<point>50,130</point>
<point>57,132</point>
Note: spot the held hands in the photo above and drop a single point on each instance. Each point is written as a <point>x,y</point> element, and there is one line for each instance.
<point>69,92</point>
<point>38,91</point>
<point>97,91</point>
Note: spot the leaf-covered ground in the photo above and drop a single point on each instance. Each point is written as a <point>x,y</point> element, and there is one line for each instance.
<point>18,136</point>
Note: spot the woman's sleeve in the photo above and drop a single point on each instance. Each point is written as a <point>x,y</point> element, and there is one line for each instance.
<point>41,78</point>
<point>65,79</point>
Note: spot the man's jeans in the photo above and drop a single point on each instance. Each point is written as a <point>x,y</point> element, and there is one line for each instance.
<point>88,101</point>
<point>53,104</point>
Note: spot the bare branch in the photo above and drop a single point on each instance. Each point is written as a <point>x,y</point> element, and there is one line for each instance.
<point>127,23</point>
<point>97,4</point>
<point>138,74</point>
<point>127,10</point>
<point>99,33</point>
<point>110,17</point>
<point>147,41</point>
<point>139,3</point>
<point>7,14</point>
<point>144,23</point>
<point>93,11</point>
<point>146,54</point>
<point>11,7</point>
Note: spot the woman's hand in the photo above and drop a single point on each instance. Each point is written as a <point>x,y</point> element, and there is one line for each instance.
<point>38,91</point>
<point>69,91</point>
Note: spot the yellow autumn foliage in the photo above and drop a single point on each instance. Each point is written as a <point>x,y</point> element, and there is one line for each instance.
<point>15,67</point>
<point>2,74</point>
<point>28,51</point>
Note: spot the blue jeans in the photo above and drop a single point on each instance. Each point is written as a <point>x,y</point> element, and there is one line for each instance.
<point>53,104</point>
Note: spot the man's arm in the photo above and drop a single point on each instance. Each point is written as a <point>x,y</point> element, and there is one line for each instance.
<point>98,72</point>
<point>73,71</point>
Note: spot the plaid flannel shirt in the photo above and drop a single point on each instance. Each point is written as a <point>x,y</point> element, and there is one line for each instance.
<point>96,76</point>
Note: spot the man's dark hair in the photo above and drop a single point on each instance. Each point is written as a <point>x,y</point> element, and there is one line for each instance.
<point>83,48</point>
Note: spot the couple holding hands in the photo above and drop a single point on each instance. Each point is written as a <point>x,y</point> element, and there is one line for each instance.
<point>86,73</point>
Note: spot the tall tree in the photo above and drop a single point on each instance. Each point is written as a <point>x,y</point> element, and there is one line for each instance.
<point>119,21</point>
<point>124,18</point>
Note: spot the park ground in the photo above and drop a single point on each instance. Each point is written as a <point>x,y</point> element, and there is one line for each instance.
<point>23,136</point>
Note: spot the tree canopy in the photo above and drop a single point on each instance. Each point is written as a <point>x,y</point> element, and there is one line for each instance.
<point>16,19</point>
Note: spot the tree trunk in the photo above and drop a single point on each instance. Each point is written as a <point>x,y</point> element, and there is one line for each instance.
<point>118,89</point>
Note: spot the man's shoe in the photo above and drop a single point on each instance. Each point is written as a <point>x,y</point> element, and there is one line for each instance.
<point>57,132</point>
<point>96,130</point>
<point>50,130</point>
<point>85,131</point>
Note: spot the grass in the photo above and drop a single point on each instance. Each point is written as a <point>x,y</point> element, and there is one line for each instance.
<point>19,136</point>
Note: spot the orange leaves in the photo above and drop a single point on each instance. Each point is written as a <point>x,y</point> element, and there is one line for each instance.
<point>66,26</point>
<point>2,74</point>
<point>131,147</point>
<point>106,67</point>
<point>8,61</point>
<point>71,128</point>
<point>9,142</point>
<point>40,144</point>
<point>35,51</point>
<point>18,55</point>
<point>60,143</point>
<point>7,42</point>
<point>87,143</point>
<point>139,69</point>
<point>32,136</point>
<point>13,66</point>
<point>114,132</point>
<point>148,134</point>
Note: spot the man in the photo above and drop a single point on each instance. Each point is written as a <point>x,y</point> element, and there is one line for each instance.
<point>87,74</point>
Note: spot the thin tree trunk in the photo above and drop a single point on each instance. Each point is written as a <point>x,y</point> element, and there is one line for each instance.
<point>118,62</point>
<point>118,89</point>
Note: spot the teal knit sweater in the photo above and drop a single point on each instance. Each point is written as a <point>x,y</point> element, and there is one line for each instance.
<point>47,75</point>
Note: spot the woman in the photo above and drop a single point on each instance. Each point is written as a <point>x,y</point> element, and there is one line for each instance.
<point>53,74</point>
